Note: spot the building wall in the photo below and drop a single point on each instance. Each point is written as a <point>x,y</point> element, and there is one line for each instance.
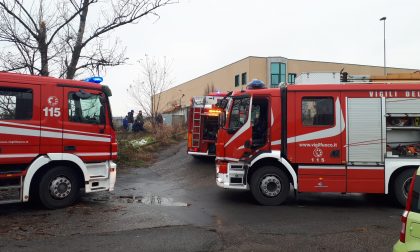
<point>258,69</point>
<point>223,79</point>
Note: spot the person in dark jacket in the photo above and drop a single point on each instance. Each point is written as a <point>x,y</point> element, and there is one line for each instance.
<point>130,120</point>
<point>159,119</point>
<point>137,126</point>
<point>125,123</point>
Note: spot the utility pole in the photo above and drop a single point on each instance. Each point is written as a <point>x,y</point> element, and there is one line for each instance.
<point>383,19</point>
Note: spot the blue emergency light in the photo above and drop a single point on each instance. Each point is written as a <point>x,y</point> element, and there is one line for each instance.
<point>94,79</point>
<point>255,84</point>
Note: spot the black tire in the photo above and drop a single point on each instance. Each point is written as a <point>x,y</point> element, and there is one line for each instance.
<point>270,186</point>
<point>401,186</point>
<point>59,187</point>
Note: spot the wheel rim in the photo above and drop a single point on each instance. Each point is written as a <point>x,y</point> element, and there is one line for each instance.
<point>270,186</point>
<point>406,187</point>
<point>60,187</point>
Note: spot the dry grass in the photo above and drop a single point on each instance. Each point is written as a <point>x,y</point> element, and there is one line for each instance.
<point>157,138</point>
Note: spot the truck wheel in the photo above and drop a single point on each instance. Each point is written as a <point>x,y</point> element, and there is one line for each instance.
<point>401,186</point>
<point>58,187</point>
<point>270,186</point>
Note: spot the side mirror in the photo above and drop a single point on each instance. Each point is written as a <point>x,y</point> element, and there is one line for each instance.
<point>222,103</point>
<point>102,99</point>
<point>102,117</point>
<point>82,94</point>
<point>222,119</point>
<point>106,90</point>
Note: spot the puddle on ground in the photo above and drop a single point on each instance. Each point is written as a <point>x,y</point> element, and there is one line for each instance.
<point>153,200</point>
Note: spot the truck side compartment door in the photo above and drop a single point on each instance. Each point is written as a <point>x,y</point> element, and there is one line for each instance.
<point>19,123</point>
<point>365,124</point>
<point>318,142</point>
<point>86,132</point>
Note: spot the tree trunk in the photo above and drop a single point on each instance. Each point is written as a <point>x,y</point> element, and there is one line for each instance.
<point>43,49</point>
<point>71,69</point>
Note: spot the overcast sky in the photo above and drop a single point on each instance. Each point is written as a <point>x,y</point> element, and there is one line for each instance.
<point>199,36</point>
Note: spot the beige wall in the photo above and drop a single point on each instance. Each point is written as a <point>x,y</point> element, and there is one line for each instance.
<point>223,79</point>
<point>258,69</point>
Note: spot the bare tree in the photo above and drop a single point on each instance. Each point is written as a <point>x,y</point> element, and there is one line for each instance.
<point>66,37</point>
<point>154,79</point>
<point>209,88</point>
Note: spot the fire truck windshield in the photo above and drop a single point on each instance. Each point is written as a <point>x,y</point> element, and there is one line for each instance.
<point>238,113</point>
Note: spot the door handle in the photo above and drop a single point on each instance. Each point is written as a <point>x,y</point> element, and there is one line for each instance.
<point>69,148</point>
<point>335,153</point>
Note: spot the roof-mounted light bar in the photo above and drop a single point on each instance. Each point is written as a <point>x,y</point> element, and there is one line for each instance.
<point>255,84</point>
<point>94,79</point>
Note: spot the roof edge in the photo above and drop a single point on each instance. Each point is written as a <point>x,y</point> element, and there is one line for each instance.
<point>331,62</point>
<point>215,71</point>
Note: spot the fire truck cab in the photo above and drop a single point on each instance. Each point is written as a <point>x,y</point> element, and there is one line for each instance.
<point>56,137</point>
<point>345,138</point>
<point>203,125</point>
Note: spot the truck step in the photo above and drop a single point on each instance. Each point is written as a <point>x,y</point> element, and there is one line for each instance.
<point>9,201</point>
<point>98,177</point>
<point>11,194</point>
<point>11,187</point>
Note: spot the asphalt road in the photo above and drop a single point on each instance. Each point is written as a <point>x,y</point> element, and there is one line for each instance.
<point>175,205</point>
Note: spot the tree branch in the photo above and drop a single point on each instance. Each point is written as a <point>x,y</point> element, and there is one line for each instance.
<point>69,20</point>
<point>132,15</point>
<point>11,13</point>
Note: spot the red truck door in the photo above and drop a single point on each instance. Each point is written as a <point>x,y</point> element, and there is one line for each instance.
<point>52,104</point>
<point>239,127</point>
<point>318,142</point>
<point>85,131</point>
<point>19,123</point>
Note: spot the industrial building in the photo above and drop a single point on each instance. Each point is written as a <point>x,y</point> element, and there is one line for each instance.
<point>271,70</point>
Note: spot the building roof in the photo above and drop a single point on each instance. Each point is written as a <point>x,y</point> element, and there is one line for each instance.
<point>352,64</point>
<point>260,57</point>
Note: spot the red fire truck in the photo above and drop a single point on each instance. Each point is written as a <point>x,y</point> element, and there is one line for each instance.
<point>345,138</point>
<point>56,137</point>
<point>203,124</point>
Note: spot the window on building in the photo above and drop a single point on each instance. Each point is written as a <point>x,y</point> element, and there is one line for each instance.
<point>86,109</point>
<point>236,80</point>
<point>16,104</point>
<point>291,78</point>
<point>317,111</point>
<point>278,73</point>
<point>243,78</point>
